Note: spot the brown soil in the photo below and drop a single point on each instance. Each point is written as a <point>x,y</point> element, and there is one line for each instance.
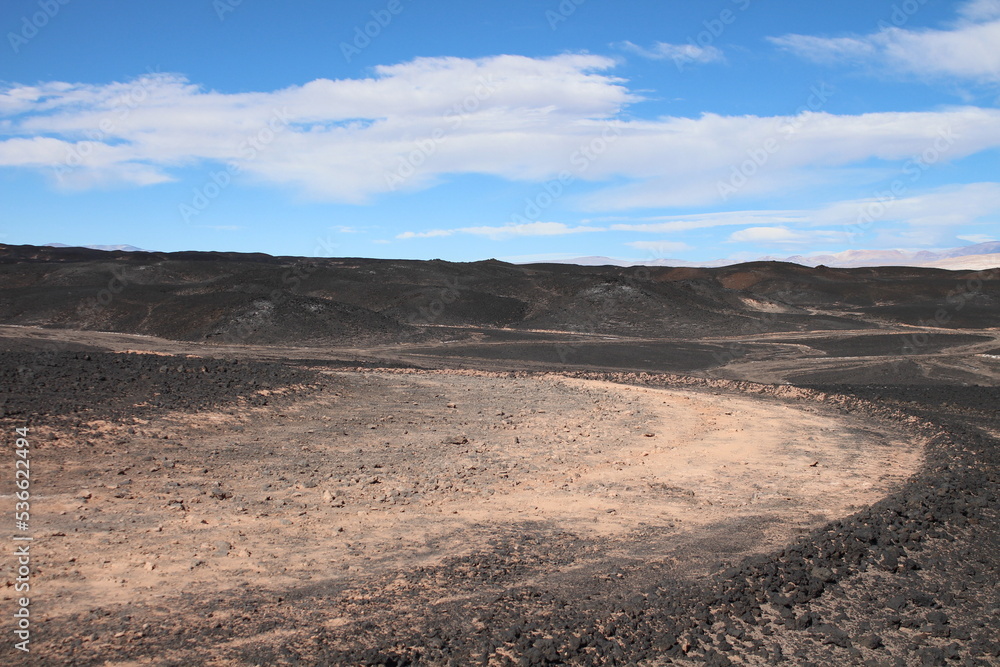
<point>384,472</point>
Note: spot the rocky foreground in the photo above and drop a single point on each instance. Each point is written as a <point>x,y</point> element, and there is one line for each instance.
<point>196,510</point>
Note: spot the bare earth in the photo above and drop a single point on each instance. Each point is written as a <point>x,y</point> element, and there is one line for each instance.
<point>239,459</point>
<point>385,472</point>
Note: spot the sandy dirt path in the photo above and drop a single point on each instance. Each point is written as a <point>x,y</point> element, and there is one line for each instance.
<point>350,488</point>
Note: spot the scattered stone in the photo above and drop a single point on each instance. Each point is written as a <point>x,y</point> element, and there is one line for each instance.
<point>937,618</point>
<point>824,574</point>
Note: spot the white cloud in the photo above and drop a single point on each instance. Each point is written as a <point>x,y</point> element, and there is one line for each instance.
<point>805,149</point>
<point>968,50</point>
<point>679,53</point>
<point>434,233</point>
<point>934,214</point>
<point>925,219</point>
<point>512,117</point>
<point>980,10</point>
<point>977,238</point>
<point>528,229</point>
<point>664,224</point>
<point>765,235</point>
<point>827,50</point>
<point>944,209</point>
<point>337,140</point>
<point>783,236</point>
<point>537,258</point>
<point>502,232</point>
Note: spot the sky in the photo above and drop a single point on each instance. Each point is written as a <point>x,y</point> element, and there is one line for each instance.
<point>522,130</point>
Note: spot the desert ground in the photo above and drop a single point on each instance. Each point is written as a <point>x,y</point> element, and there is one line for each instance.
<point>484,464</point>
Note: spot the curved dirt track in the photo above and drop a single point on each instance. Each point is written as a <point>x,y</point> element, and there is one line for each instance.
<point>383,477</point>
<point>259,513</point>
<point>338,494</point>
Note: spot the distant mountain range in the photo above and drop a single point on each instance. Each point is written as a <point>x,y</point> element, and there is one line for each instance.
<point>123,248</point>
<point>954,258</point>
<point>973,257</point>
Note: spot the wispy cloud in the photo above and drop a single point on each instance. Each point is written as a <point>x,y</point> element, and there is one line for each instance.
<point>928,218</point>
<point>980,10</point>
<point>669,224</point>
<point>977,238</point>
<point>342,136</point>
<point>340,139</point>
<point>538,257</point>
<point>967,50</point>
<point>828,50</point>
<point>784,236</point>
<point>502,232</point>
<point>434,233</point>
<point>934,215</point>
<point>684,53</point>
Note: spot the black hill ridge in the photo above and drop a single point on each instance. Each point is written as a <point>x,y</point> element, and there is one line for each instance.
<point>257,298</point>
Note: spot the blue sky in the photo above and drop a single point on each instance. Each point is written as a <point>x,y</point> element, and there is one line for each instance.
<point>511,129</point>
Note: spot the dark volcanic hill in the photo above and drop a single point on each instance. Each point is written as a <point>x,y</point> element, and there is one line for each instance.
<point>429,463</point>
<point>257,298</point>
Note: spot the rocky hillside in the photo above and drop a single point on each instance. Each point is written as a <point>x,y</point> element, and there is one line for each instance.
<point>257,298</point>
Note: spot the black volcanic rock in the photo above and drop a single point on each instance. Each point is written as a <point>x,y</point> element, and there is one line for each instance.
<point>66,383</point>
<point>911,579</point>
<point>265,299</point>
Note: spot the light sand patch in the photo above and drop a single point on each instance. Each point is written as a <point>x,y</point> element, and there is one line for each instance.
<point>395,471</point>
